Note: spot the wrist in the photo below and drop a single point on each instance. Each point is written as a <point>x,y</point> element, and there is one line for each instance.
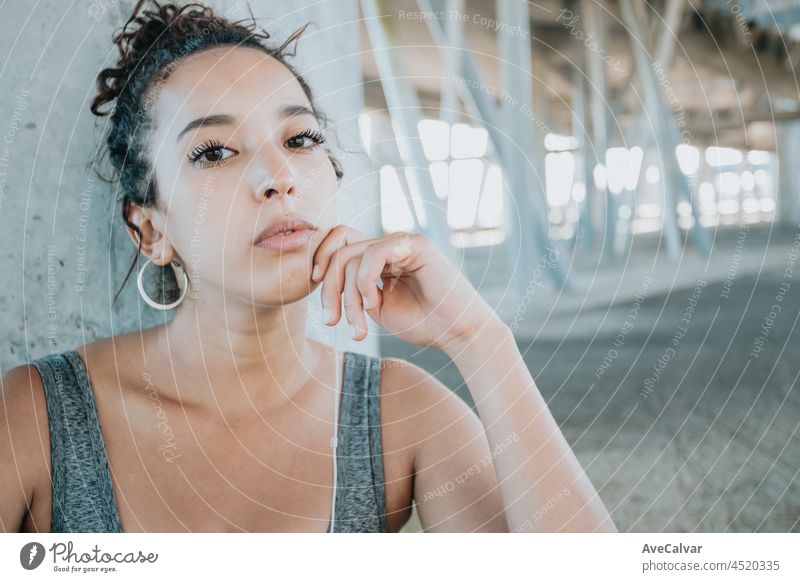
<point>492,333</point>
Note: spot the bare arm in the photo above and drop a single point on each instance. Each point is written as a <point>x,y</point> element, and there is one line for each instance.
<point>541,483</point>
<point>455,487</point>
<point>24,445</point>
<point>543,486</point>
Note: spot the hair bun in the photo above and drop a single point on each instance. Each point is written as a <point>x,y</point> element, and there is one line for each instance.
<point>141,35</point>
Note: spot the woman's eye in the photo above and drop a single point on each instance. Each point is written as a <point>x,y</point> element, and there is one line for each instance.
<point>209,155</point>
<point>216,155</point>
<point>305,140</point>
<point>297,141</point>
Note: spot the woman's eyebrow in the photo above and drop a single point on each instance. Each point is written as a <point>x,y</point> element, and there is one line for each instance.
<point>286,112</point>
<point>203,121</point>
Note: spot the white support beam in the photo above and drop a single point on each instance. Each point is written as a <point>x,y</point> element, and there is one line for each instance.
<point>522,153</point>
<point>669,26</point>
<point>528,193</point>
<point>452,51</point>
<point>668,137</point>
<point>404,111</point>
<point>584,231</point>
<point>642,133</point>
<point>600,112</point>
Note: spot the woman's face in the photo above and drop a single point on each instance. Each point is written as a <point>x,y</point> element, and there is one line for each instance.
<point>233,147</point>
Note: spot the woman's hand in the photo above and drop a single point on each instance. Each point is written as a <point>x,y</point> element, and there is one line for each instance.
<point>424,299</point>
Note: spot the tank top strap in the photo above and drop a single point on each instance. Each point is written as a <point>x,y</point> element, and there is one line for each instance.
<point>360,496</point>
<point>82,492</point>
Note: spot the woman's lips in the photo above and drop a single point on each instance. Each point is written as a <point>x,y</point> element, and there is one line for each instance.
<point>292,241</point>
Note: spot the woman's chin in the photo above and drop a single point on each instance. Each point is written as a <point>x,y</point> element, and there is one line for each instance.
<point>288,264</point>
<point>286,293</point>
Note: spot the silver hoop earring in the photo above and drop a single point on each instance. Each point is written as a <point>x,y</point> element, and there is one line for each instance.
<point>163,306</point>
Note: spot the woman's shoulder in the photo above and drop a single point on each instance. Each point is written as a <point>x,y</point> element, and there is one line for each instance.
<point>117,359</point>
<point>410,381</point>
<point>23,386</point>
<point>414,397</point>
<point>22,399</point>
<point>120,347</point>
<point>24,396</point>
<point>24,446</point>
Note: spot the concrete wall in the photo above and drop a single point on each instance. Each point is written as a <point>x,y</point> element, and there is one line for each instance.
<point>63,248</point>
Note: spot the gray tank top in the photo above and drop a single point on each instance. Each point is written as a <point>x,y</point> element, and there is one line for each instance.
<point>83,496</point>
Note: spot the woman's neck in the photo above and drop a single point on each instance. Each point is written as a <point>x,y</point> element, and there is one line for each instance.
<point>235,358</point>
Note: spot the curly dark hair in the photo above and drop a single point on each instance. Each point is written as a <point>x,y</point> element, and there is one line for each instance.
<point>151,44</point>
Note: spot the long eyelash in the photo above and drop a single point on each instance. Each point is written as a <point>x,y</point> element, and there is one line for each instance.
<point>315,136</point>
<point>210,145</point>
<point>205,147</point>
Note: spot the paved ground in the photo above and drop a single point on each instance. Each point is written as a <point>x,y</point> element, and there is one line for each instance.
<point>708,441</point>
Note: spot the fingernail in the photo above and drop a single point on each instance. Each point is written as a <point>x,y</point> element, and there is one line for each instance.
<point>365,302</point>
<point>353,330</point>
<point>326,314</point>
<point>315,272</point>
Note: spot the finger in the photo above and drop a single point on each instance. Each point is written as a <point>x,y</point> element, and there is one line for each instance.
<point>334,276</point>
<point>353,306</point>
<point>371,267</point>
<point>400,246</point>
<point>389,256</point>
<point>337,238</point>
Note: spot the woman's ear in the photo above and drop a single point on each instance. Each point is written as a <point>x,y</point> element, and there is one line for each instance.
<point>155,245</point>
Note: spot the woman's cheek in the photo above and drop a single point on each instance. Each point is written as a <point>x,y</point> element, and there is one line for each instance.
<point>204,245</point>
<point>322,191</point>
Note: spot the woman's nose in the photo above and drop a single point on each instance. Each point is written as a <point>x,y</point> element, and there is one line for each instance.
<point>280,185</point>
<point>277,177</point>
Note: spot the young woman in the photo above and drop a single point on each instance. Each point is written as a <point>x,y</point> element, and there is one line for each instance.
<point>221,419</point>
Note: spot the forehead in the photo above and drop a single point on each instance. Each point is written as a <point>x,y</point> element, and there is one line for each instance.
<point>241,81</point>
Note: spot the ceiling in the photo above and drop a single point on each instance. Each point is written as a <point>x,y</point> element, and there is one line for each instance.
<point>733,79</point>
